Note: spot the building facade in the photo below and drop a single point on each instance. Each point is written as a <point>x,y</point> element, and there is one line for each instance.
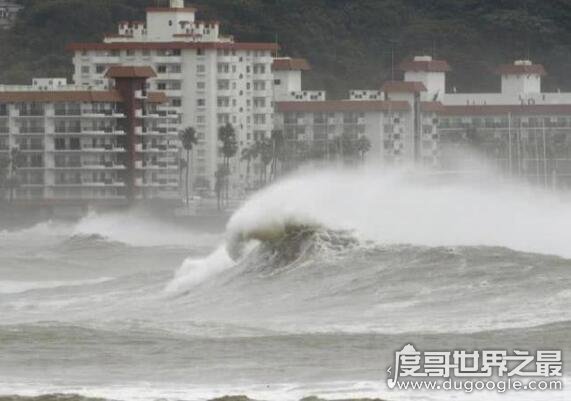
<point>209,79</point>
<point>65,143</point>
<point>519,131</point>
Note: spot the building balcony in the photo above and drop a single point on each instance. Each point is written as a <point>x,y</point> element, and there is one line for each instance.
<point>97,113</point>
<point>141,94</point>
<point>62,113</point>
<point>167,59</point>
<point>59,166</point>
<point>107,148</point>
<point>66,150</point>
<point>106,166</point>
<point>171,76</point>
<point>140,113</point>
<point>106,183</point>
<point>106,59</point>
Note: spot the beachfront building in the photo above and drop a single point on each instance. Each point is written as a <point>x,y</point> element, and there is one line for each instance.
<point>399,120</point>
<point>519,131</point>
<point>65,143</point>
<point>209,79</point>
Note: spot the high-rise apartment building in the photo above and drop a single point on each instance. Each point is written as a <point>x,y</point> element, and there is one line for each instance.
<point>72,144</point>
<point>210,79</point>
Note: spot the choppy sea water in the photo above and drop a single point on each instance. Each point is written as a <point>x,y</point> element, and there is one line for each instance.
<point>125,307</point>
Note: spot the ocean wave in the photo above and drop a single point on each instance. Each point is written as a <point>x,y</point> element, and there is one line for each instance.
<point>130,228</point>
<point>408,208</point>
<point>18,287</point>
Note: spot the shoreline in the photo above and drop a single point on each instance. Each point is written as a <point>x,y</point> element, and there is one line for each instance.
<point>74,397</point>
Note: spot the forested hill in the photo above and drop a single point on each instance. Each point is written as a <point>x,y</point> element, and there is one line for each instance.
<point>347,41</point>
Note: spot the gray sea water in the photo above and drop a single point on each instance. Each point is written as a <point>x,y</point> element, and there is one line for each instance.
<point>125,307</point>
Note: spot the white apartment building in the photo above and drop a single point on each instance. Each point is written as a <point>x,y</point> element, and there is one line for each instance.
<point>399,119</point>
<point>87,146</point>
<point>209,79</point>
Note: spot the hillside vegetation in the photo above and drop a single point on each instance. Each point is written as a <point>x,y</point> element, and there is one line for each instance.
<point>349,42</point>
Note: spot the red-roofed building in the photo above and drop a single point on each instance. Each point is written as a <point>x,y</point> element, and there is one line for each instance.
<point>81,145</point>
<point>210,79</point>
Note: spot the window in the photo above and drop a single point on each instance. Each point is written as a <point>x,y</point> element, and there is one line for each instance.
<point>59,143</point>
<point>223,84</point>
<point>260,102</point>
<point>100,68</point>
<point>161,86</point>
<point>201,85</point>
<point>200,119</point>
<point>259,118</point>
<point>223,101</point>
<point>176,103</point>
<point>200,68</point>
<point>130,52</point>
<point>85,69</point>
<point>223,68</point>
<point>277,82</point>
<point>200,52</point>
<point>223,118</point>
<point>161,69</point>
<point>74,144</point>
<point>201,102</point>
<point>259,85</point>
<point>259,135</point>
<point>259,68</point>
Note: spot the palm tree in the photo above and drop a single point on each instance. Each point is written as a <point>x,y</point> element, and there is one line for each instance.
<point>4,172</point>
<point>278,144</point>
<point>266,151</point>
<point>16,161</point>
<point>188,138</point>
<point>249,153</point>
<point>227,135</point>
<point>363,146</point>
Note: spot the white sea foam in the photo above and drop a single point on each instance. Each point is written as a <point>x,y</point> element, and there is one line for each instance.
<point>276,392</point>
<point>195,271</point>
<point>138,230</point>
<point>17,287</point>
<point>403,208</point>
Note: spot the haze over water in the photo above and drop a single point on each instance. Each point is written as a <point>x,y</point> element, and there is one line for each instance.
<point>125,307</point>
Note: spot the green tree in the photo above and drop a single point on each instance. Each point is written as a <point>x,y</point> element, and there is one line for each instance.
<point>363,146</point>
<point>249,154</point>
<point>266,153</point>
<point>227,135</point>
<point>188,138</point>
<point>16,161</point>
<point>4,173</point>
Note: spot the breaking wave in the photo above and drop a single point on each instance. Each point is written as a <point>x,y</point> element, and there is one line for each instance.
<point>339,209</point>
<point>130,228</point>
